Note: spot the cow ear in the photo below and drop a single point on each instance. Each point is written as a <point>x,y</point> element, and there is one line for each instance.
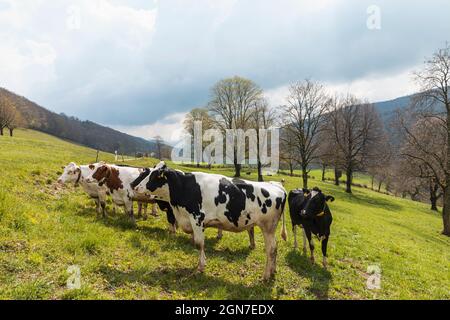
<point>77,170</point>
<point>329,198</point>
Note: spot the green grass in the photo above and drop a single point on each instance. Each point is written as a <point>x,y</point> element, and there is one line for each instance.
<point>45,229</point>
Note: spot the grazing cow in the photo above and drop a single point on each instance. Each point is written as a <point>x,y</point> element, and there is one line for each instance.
<point>200,200</point>
<point>117,180</point>
<point>165,206</point>
<point>310,210</point>
<point>76,174</point>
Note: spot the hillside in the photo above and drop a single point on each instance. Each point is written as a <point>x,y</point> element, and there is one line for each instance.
<point>83,132</point>
<point>45,229</point>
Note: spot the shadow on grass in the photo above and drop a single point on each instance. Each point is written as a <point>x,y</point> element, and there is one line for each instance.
<point>188,281</point>
<point>319,276</point>
<point>183,242</point>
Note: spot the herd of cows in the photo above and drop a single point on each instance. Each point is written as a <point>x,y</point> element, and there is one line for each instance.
<point>197,200</point>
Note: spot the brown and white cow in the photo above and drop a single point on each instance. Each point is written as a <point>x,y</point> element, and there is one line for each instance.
<point>117,181</point>
<point>200,200</point>
<point>77,174</point>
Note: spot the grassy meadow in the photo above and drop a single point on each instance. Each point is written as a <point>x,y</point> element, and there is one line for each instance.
<point>44,229</point>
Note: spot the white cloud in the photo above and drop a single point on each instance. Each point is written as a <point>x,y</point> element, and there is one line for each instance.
<point>170,128</point>
<point>373,87</point>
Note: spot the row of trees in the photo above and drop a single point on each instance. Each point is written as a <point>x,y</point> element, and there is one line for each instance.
<point>424,129</point>
<point>9,117</point>
<point>343,132</point>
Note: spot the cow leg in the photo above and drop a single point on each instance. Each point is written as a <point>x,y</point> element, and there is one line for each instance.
<point>324,251</point>
<point>139,215</point>
<point>129,210</point>
<point>294,232</point>
<point>304,241</point>
<point>199,239</point>
<point>171,220</point>
<point>97,205</point>
<point>311,243</point>
<point>271,252</point>
<point>251,235</point>
<point>154,210</point>
<point>103,205</point>
<point>145,206</point>
<point>219,234</point>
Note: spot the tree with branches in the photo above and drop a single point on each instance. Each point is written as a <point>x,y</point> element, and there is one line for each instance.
<point>357,131</point>
<point>434,102</point>
<point>231,105</point>
<point>303,119</point>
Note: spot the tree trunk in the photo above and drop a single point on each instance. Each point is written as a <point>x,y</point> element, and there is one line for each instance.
<point>198,164</point>
<point>258,158</point>
<point>260,176</point>
<point>305,177</point>
<point>11,132</point>
<point>446,212</point>
<point>1,131</point>
<point>379,185</point>
<point>446,200</point>
<point>324,167</point>
<point>237,166</point>
<point>348,183</point>
<point>433,200</point>
<point>336,176</point>
<point>291,169</point>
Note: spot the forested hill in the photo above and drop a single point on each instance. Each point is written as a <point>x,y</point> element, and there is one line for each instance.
<point>87,133</point>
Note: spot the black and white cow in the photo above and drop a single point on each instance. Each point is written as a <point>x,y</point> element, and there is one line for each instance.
<point>310,210</point>
<point>200,200</point>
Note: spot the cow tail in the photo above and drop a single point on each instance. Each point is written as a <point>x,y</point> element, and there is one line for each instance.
<point>283,228</point>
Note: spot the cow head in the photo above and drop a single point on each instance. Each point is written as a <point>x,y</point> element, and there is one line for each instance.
<point>316,202</point>
<point>139,184</point>
<point>100,172</point>
<point>71,174</point>
<point>153,181</point>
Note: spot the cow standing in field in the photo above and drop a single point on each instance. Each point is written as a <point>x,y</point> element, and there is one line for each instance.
<point>310,210</point>
<point>76,174</point>
<point>165,206</point>
<point>200,200</point>
<point>117,181</point>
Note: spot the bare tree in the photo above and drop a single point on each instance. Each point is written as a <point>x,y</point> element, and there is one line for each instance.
<point>303,116</point>
<point>202,115</point>
<point>159,145</point>
<point>232,104</point>
<point>357,131</point>
<point>262,118</point>
<point>434,80</point>
<point>288,150</point>
<point>425,158</point>
<point>8,115</point>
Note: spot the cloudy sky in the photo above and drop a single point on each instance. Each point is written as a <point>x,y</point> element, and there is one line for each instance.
<point>140,65</point>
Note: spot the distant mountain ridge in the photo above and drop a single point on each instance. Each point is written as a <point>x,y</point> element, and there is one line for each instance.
<point>87,133</point>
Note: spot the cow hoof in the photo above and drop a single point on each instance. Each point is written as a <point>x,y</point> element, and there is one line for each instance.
<point>268,277</point>
<point>201,269</point>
